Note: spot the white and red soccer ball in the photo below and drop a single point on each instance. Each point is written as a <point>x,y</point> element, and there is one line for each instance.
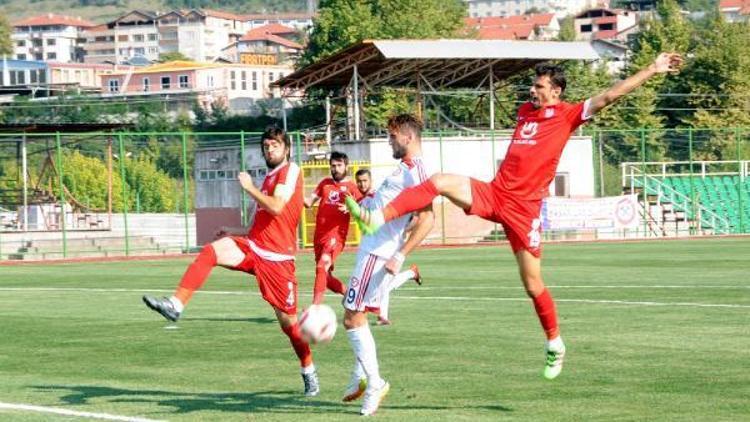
<point>318,324</point>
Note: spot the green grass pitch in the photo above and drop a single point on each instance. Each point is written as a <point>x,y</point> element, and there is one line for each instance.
<point>654,330</point>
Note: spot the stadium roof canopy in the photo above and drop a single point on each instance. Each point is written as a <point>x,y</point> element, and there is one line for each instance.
<point>442,64</point>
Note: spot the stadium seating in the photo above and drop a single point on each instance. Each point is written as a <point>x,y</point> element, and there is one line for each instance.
<point>724,201</point>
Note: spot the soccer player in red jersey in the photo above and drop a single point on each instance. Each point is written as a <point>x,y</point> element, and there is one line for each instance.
<point>331,224</point>
<point>266,251</point>
<point>514,197</point>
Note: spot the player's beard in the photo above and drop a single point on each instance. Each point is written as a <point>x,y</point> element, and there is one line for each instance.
<point>272,163</point>
<point>399,151</point>
<point>338,176</point>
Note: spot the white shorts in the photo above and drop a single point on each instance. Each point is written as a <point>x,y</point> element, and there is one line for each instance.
<point>369,282</point>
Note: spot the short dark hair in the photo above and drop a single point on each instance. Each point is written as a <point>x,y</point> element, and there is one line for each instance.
<point>362,172</point>
<point>556,74</point>
<point>406,122</point>
<point>276,133</point>
<point>338,156</point>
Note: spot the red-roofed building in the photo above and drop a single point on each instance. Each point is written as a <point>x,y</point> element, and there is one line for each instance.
<point>49,37</point>
<point>543,26</point>
<point>268,44</point>
<point>605,24</point>
<point>299,21</point>
<point>735,10</point>
<point>199,34</point>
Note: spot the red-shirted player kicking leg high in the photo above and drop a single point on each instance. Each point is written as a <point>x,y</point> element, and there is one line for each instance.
<point>514,197</point>
<point>266,251</point>
<point>331,224</point>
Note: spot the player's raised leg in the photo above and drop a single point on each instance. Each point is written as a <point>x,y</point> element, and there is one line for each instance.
<point>455,187</point>
<point>222,252</point>
<point>531,274</point>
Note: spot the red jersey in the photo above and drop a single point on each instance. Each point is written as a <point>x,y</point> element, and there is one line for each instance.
<point>276,235</point>
<point>536,147</point>
<point>330,220</point>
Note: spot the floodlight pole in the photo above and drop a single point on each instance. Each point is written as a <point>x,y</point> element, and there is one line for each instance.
<point>328,120</point>
<point>356,103</point>
<point>24,170</point>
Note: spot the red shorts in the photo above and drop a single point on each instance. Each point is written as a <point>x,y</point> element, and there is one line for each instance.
<point>330,245</point>
<point>276,280</point>
<point>520,218</point>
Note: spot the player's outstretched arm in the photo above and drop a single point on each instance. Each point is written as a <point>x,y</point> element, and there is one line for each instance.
<point>666,62</point>
<point>274,204</point>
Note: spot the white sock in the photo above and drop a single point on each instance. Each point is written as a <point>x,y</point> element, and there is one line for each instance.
<point>363,345</point>
<point>385,301</point>
<point>401,278</point>
<point>358,371</point>
<point>177,303</point>
<point>555,344</point>
<point>309,369</point>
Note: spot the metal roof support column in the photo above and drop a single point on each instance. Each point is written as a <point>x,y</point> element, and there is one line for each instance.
<point>355,81</point>
<point>24,170</point>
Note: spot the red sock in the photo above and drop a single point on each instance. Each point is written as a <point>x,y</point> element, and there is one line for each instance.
<point>545,310</point>
<point>335,285</point>
<point>196,274</point>
<point>301,348</point>
<point>411,199</point>
<point>321,279</point>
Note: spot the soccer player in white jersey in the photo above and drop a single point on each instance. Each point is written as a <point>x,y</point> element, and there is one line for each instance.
<point>380,256</point>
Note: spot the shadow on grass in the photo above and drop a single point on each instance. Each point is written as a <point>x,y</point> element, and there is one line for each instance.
<point>255,320</point>
<point>285,402</point>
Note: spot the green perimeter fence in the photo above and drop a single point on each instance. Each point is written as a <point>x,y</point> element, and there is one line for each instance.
<point>127,193</point>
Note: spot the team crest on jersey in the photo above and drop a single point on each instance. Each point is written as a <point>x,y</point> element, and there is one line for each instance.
<point>333,196</point>
<point>354,282</point>
<point>529,129</point>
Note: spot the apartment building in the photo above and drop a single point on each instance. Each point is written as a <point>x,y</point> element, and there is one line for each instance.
<point>49,37</point>
<point>238,86</point>
<point>134,34</point>
<point>606,24</point>
<point>561,8</point>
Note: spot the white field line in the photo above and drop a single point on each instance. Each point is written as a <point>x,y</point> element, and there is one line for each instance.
<point>66,412</point>
<point>401,297</point>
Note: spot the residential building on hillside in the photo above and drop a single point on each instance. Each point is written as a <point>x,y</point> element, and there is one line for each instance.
<point>735,10</point>
<point>132,34</point>
<point>605,24</point>
<point>561,8</point>
<point>49,37</point>
<point>236,86</point>
<point>521,27</point>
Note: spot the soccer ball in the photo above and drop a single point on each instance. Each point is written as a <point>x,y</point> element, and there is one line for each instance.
<point>318,324</point>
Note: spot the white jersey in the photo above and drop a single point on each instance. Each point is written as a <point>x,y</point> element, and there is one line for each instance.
<point>390,238</point>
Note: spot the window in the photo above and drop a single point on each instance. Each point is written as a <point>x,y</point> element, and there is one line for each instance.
<point>51,56</point>
<point>183,80</point>
<point>114,85</point>
<point>33,77</point>
<point>153,37</point>
<point>586,28</point>
<point>37,42</point>
<point>244,81</point>
<point>122,38</point>
<point>561,185</point>
<point>270,76</point>
<point>139,38</point>
<point>166,82</point>
<point>153,50</point>
<point>50,41</point>
<point>38,56</point>
<point>140,50</point>
<point>233,80</point>
<point>255,81</point>
<point>146,84</point>
<point>210,81</point>
<point>21,57</point>
<point>21,43</point>
<point>606,27</point>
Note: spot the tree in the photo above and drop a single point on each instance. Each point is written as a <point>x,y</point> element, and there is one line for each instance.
<point>6,42</point>
<point>341,23</point>
<point>173,56</point>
